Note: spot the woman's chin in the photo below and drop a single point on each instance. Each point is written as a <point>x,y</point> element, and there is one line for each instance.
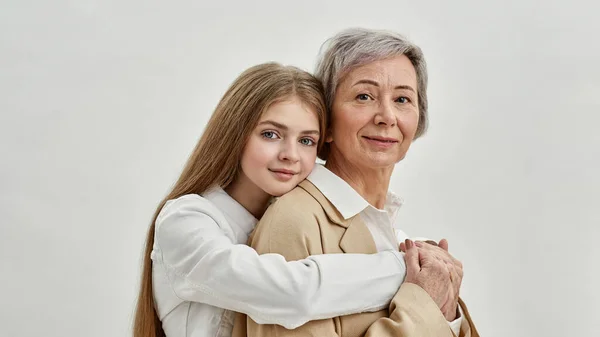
<point>379,161</point>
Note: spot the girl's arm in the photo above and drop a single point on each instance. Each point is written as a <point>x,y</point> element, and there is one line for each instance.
<point>204,265</point>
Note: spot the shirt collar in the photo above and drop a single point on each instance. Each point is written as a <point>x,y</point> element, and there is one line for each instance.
<point>344,198</point>
<point>235,213</point>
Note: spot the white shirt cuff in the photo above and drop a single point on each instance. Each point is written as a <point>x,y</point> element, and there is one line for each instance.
<point>455,324</point>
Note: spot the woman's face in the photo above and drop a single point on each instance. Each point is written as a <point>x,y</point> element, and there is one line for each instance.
<point>282,149</point>
<point>375,113</point>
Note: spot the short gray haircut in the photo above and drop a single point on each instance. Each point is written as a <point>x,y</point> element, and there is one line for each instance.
<point>355,47</point>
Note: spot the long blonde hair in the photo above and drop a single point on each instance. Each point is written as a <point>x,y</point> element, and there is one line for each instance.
<point>215,160</point>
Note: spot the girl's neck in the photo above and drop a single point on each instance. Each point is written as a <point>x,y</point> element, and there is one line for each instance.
<point>250,196</point>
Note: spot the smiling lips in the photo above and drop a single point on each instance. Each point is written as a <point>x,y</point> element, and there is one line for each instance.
<point>382,139</point>
<point>382,142</point>
<point>283,174</point>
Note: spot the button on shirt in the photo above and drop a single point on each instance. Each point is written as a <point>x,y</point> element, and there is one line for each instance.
<point>380,222</point>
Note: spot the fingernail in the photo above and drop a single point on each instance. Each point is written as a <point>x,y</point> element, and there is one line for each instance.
<point>419,244</point>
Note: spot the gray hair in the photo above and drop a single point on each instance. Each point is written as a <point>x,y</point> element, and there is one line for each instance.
<point>355,47</point>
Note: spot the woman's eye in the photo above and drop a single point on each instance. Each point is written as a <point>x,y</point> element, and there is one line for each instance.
<point>402,100</point>
<point>269,135</point>
<point>363,97</point>
<point>307,142</point>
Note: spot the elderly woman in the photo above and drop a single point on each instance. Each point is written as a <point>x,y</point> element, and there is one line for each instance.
<point>375,85</point>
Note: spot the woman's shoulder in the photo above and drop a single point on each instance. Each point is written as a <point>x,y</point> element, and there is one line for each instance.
<point>290,226</point>
<point>298,199</point>
<point>296,210</point>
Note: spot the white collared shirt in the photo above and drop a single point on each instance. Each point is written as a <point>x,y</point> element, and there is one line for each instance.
<point>202,269</point>
<point>380,222</point>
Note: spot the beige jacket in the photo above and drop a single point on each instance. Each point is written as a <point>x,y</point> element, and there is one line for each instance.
<point>302,223</point>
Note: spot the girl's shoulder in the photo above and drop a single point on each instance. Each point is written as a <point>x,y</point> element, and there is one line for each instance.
<point>190,205</point>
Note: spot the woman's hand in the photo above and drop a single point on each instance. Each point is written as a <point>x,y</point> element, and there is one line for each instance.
<point>431,267</point>
<point>456,275</point>
<point>455,269</point>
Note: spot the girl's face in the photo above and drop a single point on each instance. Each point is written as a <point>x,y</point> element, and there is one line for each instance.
<point>282,149</point>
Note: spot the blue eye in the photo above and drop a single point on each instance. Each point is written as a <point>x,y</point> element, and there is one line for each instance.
<point>269,135</point>
<point>307,142</point>
<point>402,100</point>
<point>363,97</point>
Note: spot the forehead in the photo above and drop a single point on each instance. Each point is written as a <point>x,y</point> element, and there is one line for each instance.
<point>292,113</point>
<point>393,71</point>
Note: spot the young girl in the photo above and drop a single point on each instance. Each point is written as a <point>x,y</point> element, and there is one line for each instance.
<point>260,142</point>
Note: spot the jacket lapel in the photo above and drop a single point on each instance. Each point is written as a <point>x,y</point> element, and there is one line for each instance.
<point>356,238</point>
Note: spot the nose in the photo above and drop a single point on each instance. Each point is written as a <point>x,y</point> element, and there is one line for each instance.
<point>385,115</point>
<point>289,152</point>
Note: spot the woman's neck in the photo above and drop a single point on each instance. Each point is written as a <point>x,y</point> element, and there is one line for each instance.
<point>371,184</point>
<point>250,196</point>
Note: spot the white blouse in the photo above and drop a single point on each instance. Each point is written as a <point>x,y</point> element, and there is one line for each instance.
<point>202,271</point>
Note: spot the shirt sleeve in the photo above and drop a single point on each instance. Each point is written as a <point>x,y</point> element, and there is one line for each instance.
<point>204,265</point>
<point>455,324</point>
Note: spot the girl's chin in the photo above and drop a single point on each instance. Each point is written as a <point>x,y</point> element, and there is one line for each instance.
<point>277,191</point>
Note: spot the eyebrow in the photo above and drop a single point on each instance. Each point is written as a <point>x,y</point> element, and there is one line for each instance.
<point>285,128</point>
<point>373,83</point>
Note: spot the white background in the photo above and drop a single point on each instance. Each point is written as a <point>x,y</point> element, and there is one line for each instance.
<point>102,101</point>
